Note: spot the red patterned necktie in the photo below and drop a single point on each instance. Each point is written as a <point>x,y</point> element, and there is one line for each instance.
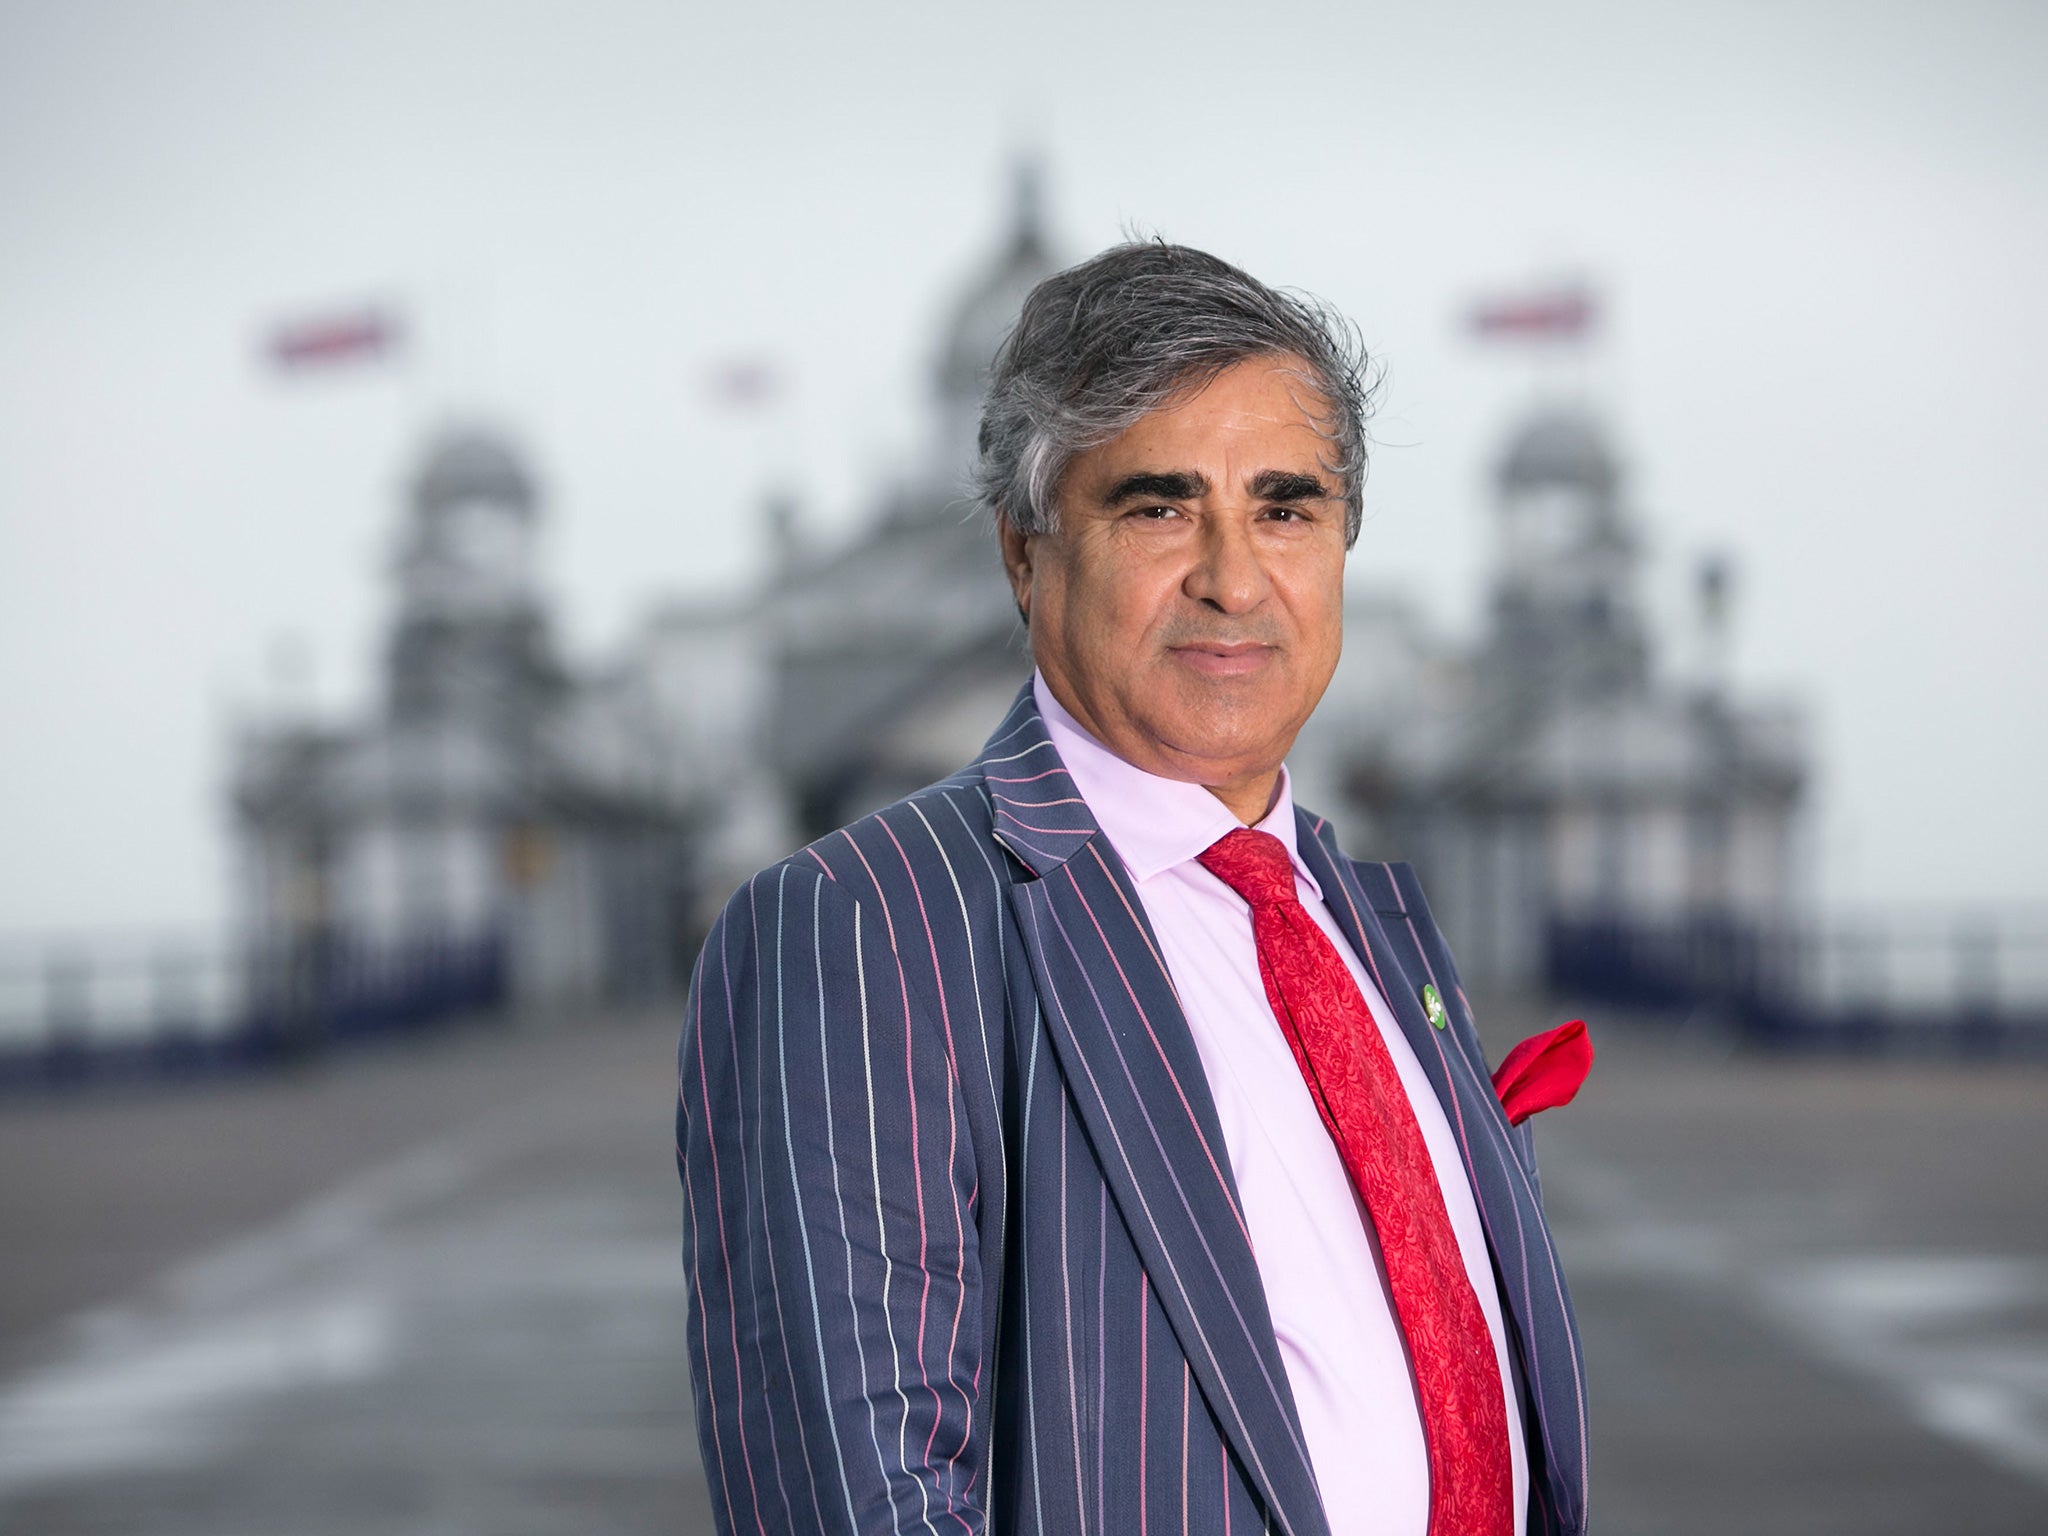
<point>1353,1081</point>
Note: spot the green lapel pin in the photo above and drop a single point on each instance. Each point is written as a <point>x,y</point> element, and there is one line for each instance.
<point>1433,1005</point>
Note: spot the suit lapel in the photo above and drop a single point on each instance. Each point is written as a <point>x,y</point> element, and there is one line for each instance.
<point>1138,1086</point>
<point>1381,925</point>
<point>1364,920</point>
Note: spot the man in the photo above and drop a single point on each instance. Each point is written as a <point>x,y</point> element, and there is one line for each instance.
<point>1084,1144</point>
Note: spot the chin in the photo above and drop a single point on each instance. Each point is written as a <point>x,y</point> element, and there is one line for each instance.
<point>1225,748</point>
<point>1243,709</point>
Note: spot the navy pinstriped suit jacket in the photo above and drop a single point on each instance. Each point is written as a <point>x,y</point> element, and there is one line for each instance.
<point>963,1246</point>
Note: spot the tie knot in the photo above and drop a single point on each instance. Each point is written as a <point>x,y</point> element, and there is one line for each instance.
<point>1253,864</point>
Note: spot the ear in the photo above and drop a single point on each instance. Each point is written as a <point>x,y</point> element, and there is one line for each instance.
<point>1016,548</point>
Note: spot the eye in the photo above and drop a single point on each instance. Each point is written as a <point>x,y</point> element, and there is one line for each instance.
<point>1156,514</point>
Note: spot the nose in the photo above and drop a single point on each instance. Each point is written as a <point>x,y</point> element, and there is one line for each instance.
<point>1227,576</point>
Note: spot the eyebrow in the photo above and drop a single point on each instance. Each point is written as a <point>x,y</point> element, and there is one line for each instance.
<point>1161,485</point>
<point>1287,485</point>
<point>1189,485</point>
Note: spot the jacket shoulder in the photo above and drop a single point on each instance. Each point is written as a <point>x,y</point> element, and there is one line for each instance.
<point>940,837</point>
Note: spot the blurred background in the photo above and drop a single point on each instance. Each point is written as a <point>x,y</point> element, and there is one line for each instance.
<point>476,480</point>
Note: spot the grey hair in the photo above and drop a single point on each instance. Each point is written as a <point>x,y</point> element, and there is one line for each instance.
<point>1104,343</point>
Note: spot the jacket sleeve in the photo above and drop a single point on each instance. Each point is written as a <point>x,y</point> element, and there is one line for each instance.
<point>829,1203</point>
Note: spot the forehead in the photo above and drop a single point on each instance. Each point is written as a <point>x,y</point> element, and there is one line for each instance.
<point>1262,413</point>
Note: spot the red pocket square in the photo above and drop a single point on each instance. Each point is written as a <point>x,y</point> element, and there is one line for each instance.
<point>1544,1071</point>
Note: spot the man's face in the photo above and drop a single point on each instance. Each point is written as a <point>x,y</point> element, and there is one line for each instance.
<point>1189,609</point>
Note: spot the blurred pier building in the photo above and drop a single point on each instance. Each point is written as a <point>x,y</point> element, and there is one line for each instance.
<point>1555,775</point>
<point>1549,775</point>
<point>881,665</point>
<point>508,832</point>
<point>501,832</point>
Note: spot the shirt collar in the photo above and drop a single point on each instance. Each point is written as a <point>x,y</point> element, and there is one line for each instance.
<point>1154,823</point>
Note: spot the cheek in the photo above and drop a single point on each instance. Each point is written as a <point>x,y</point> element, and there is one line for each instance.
<point>1319,611</point>
<point>1114,600</point>
<point>1080,610</point>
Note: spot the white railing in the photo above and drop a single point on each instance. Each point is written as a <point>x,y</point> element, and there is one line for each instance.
<point>1977,979</point>
<point>118,990</point>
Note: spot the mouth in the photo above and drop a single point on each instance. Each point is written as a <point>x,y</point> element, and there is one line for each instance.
<point>1215,658</point>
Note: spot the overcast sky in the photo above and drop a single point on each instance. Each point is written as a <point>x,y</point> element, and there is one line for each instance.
<point>1820,231</point>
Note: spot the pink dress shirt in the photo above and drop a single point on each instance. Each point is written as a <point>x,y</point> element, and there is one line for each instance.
<point>1346,1360</point>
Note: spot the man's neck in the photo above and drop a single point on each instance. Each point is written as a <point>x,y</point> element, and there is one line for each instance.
<point>1249,800</point>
